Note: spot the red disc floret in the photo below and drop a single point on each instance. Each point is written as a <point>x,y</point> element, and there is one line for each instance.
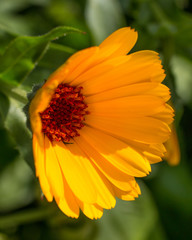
<point>64,116</point>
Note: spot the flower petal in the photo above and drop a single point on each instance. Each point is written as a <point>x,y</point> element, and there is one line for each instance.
<point>120,65</point>
<point>102,67</point>
<point>39,156</point>
<point>123,75</point>
<point>127,195</point>
<point>152,158</point>
<point>105,197</point>
<point>141,105</point>
<point>144,129</point>
<point>53,170</point>
<point>161,91</point>
<point>125,158</point>
<point>118,178</point>
<point>130,90</point>
<point>166,115</point>
<point>86,176</point>
<point>68,203</point>
<point>74,66</point>
<point>92,211</point>
<point>120,42</point>
<point>154,149</point>
<point>75,172</point>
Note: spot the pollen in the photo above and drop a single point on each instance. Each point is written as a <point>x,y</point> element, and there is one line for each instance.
<point>65,114</point>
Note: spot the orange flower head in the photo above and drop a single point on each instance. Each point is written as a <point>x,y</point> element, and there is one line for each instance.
<point>98,122</point>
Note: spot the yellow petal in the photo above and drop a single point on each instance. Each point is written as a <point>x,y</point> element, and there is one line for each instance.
<point>166,115</point>
<point>120,42</point>
<point>141,105</point>
<point>123,75</point>
<point>75,171</point>
<point>144,129</point>
<point>117,153</point>
<point>53,171</point>
<point>88,61</point>
<point>105,197</point>
<point>126,195</point>
<point>152,158</point>
<point>68,203</point>
<point>74,66</point>
<point>100,68</point>
<point>39,156</point>
<point>105,194</point>
<point>155,149</point>
<point>92,211</point>
<point>121,71</point>
<point>118,178</point>
<point>130,90</point>
<point>145,54</point>
<point>161,91</point>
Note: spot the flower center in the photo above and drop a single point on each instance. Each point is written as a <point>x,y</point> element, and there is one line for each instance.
<point>65,114</point>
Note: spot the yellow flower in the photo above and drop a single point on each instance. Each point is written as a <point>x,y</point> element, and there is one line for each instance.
<point>98,122</point>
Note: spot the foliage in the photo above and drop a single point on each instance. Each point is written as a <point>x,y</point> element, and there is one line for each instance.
<point>34,42</point>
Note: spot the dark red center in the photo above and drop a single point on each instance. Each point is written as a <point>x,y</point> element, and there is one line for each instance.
<point>64,116</point>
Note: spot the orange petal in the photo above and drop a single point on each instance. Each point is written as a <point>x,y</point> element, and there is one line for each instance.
<point>39,156</point>
<point>74,66</point>
<point>68,203</point>
<point>75,171</point>
<point>128,195</point>
<point>125,158</point>
<point>144,129</point>
<point>92,211</point>
<point>120,42</point>
<point>53,171</point>
<point>121,92</point>
<point>105,197</point>
<point>130,72</point>
<point>140,105</point>
<point>118,178</point>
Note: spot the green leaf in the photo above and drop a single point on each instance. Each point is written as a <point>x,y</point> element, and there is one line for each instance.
<point>16,123</point>
<point>24,52</point>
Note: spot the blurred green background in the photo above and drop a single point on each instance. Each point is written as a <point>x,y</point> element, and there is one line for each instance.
<point>164,210</point>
